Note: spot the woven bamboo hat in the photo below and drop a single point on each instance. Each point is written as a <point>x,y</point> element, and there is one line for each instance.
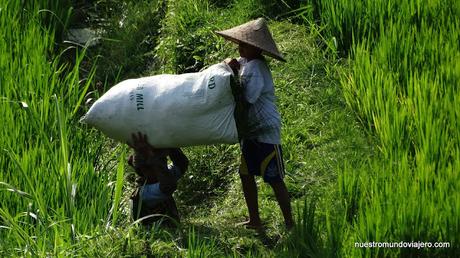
<point>254,33</point>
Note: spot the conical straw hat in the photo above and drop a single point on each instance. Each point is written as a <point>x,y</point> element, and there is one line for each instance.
<point>254,33</point>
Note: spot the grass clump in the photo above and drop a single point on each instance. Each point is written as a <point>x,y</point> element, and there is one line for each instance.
<point>402,84</point>
<point>50,193</point>
<point>129,37</point>
<point>125,36</point>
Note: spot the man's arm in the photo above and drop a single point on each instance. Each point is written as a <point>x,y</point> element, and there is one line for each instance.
<point>179,159</point>
<point>234,64</point>
<point>168,178</point>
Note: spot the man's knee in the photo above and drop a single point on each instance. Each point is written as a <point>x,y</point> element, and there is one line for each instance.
<point>245,176</point>
<point>168,188</point>
<point>277,184</point>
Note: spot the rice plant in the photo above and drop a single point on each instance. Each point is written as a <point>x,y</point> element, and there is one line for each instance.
<point>403,84</point>
<point>50,192</point>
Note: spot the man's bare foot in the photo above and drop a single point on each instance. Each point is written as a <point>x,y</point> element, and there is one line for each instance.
<point>251,225</point>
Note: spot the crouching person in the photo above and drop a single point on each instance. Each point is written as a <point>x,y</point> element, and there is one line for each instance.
<point>156,181</point>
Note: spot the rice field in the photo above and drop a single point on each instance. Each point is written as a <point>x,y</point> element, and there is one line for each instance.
<point>49,186</point>
<point>403,83</point>
<point>370,104</point>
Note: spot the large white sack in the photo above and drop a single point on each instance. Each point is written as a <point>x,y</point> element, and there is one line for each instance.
<point>172,110</point>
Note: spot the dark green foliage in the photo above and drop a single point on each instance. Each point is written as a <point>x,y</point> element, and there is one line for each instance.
<point>209,175</point>
<point>189,42</point>
<point>126,32</point>
<point>128,40</point>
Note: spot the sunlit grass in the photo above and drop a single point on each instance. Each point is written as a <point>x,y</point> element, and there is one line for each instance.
<point>51,194</point>
<point>63,194</point>
<point>403,84</point>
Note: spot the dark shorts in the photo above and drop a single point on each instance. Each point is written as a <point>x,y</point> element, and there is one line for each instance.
<point>262,159</point>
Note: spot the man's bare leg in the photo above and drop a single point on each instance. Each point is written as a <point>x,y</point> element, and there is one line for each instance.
<point>250,195</point>
<point>282,196</point>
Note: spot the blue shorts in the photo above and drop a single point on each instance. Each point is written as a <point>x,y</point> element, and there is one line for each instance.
<point>262,159</point>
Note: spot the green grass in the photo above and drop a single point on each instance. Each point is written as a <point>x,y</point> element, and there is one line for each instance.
<point>403,85</point>
<point>47,160</point>
<point>128,32</point>
<point>370,133</point>
<point>319,133</point>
